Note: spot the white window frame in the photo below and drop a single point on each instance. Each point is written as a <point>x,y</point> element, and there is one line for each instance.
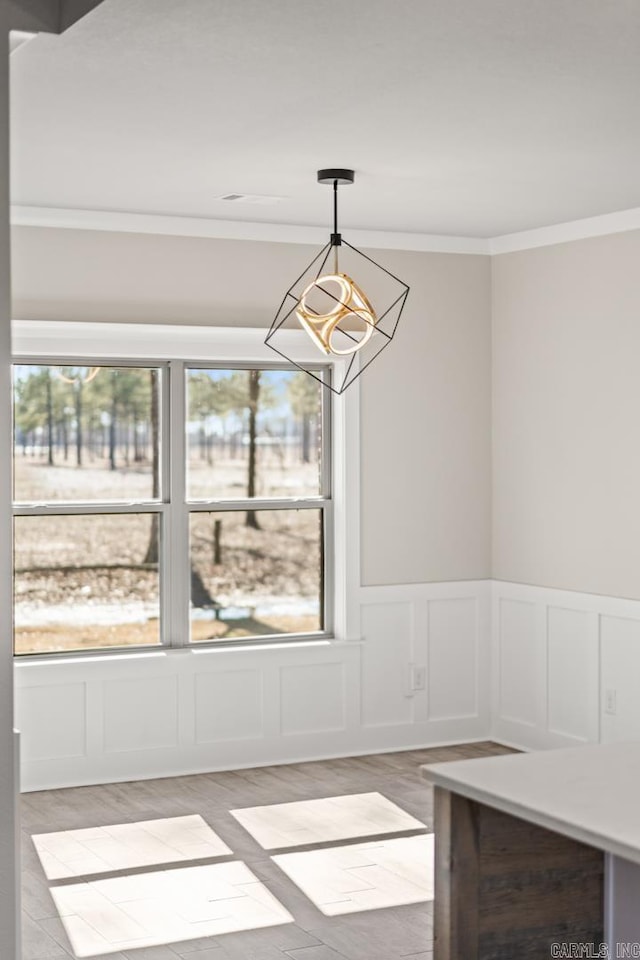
<point>186,346</point>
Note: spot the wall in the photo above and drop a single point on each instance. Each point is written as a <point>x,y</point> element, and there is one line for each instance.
<point>566,476</point>
<point>418,600</point>
<point>425,403</point>
<point>426,409</point>
<point>562,631</point>
<point>566,397</point>
<point>86,275</point>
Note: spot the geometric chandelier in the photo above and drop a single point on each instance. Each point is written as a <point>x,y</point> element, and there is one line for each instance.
<point>341,320</point>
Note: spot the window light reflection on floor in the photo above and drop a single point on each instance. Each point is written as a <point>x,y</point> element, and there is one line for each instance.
<point>363,876</point>
<point>283,825</point>
<point>165,906</point>
<point>75,853</point>
<point>180,901</point>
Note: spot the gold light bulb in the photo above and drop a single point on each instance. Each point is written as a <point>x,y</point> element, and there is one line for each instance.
<point>350,304</point>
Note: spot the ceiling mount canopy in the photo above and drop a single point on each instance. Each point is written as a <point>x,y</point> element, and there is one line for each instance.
<point>334,310</point>
<point>336,176</point>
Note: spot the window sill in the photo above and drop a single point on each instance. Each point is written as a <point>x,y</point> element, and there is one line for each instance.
<point>141,653</point>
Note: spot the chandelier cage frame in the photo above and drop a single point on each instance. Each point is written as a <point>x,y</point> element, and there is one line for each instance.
<point>377,328</point>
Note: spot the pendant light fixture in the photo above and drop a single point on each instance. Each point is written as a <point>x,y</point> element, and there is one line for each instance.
<point>341,320</point>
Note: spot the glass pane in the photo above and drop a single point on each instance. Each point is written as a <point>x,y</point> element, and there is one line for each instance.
<point>86,581</point>
<point>253,433</point>
<point>255,573</point>
<point>86,433</point>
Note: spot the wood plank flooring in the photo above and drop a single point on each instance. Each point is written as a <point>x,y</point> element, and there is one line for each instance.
<point>391,933</point>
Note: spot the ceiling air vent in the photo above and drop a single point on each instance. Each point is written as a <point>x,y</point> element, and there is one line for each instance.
<point>249,198</point>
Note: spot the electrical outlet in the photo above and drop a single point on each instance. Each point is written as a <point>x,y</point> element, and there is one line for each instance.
<point>418,677</point>
<point>610,702</point>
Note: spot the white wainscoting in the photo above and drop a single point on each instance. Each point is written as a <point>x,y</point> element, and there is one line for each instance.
<point>443,628</point>
<point>565,667</point>
<point>103,719</point>
<point>528,666</point>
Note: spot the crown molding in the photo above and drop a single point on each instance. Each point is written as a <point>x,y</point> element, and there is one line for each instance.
<point>166,225</point>
<point>71,219</point>
<point>607,223</point>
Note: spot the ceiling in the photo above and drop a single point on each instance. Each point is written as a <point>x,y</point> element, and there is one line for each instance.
<point>471,118</point>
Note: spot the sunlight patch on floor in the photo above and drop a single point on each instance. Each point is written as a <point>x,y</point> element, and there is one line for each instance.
<point>318,821</point>
<point>363,876</point>
<point>168,906</point>
<point>75,853</point>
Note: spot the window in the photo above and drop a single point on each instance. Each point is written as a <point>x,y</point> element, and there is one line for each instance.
<point>168,503</point>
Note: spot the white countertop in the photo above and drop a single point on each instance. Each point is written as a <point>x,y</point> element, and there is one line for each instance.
<point>589,793</point>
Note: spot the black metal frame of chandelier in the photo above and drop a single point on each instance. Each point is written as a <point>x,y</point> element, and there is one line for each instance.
<point>335,177</point>
<point>278,323</point>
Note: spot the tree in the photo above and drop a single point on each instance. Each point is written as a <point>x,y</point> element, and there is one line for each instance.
<point>137,393</point>
<point>76,378</point>
<point>40,403</point>
<point>78,388</point>
<point>240,392</point>
<point>152,554</point>
<point>304,399</point>
<point>244,394</point>
<point>121,397</point>
<point>208,397</point>
<point>113,420</point>
<point>49,408</point>
<point>254,397</point>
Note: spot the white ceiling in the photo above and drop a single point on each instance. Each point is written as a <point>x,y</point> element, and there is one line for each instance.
<point>463,117</point>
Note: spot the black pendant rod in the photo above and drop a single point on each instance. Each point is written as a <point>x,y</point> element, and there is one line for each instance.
<point>336,239</point>
<point>335,176</point>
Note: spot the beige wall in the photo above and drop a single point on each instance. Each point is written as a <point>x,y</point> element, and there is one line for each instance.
<point>426,409</point>
<point>94,275</point>
<point>425,444</point>
<point>566,424</point>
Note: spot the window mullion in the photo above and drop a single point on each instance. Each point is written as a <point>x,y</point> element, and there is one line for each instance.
<point>176,585</point>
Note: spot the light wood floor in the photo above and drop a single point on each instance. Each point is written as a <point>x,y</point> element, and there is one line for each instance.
<point>373,934</point>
